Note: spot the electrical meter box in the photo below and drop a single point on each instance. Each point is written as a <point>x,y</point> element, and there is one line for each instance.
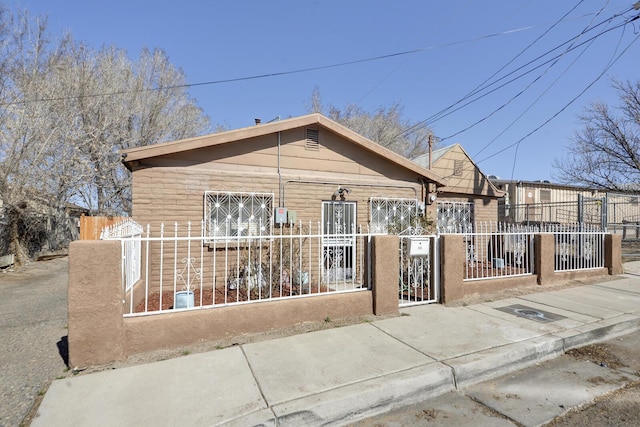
<point>419,247</point>
<point>280,216</point>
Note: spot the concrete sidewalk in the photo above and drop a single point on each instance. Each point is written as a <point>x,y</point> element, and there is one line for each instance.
<point>341,375</point>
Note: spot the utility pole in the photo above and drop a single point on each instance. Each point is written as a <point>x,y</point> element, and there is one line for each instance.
<point>430,149</point>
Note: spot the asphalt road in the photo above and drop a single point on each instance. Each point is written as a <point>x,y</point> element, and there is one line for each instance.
<point>33,330</point>
<point>595,385</point>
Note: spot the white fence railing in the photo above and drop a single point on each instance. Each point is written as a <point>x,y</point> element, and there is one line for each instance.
<point>188,270</point>
<point>130,233</point>
<point>577,246</point>
<point>497,250</point>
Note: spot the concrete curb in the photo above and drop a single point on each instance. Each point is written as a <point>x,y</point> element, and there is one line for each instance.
<point>347,404</point>
<point>342,375</point>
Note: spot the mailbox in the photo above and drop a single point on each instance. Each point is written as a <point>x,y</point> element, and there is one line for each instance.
<point>419,247</point>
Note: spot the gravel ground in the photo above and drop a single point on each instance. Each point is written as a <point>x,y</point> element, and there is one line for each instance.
<point>33,330</point>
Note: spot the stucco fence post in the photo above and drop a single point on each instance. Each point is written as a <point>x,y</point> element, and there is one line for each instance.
<point>452,256</point>
<point>95,309</point>
<point>384,267</point>
<point>545,261</point>
<point>613,254</point>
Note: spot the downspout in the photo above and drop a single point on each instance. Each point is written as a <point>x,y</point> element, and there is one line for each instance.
<point>280,188</point>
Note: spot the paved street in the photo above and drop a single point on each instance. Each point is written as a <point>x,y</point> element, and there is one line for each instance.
<point>537,395</point>
<point>33,321</point>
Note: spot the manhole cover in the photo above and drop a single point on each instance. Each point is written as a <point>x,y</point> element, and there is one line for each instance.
<point>531,313</point>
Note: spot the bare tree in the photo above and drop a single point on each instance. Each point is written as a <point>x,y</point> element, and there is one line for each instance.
<point>385,125</point>
<point>605,153</point>
<point>66,111</point>
<point>121,104</point>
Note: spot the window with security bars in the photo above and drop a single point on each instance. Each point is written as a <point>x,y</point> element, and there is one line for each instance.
<point>390,215</point>
<point>238,214</point>
<point>454,217</point>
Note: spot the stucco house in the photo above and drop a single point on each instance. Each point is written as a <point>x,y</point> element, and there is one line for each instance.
<point>469,196</point>
<point>298,170</point>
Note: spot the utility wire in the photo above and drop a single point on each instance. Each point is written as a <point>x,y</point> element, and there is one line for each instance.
<point>439,115</point>
<point>481,85</point>
<point>611,62</point>
<point>567,104</point>
<point>276,74</point>
<point>532,83</point>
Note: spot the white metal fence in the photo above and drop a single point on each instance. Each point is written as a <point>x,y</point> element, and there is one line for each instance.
<point>577,246</point>
<point>188,269</point>
<point>497,250</point>
<point>130,233</point>
<point>185,269</point>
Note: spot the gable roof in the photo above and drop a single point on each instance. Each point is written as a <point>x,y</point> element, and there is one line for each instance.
<point>139,153</point>
<point>423,159</point>
<point>440,154</point>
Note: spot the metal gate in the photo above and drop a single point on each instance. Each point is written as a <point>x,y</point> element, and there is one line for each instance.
<point>593,211</point>
<point>419,281</point>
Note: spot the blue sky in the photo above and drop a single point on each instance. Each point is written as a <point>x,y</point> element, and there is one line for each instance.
<point>458,45</point>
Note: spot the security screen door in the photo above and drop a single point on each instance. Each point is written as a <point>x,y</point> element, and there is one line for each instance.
<point>338,240</point>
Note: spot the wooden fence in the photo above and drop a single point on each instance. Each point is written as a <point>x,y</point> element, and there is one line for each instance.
<point>91,226</point>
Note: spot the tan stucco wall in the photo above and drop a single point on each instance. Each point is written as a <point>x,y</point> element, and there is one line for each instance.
<point>171,330</point>
<point>94,303</point>
<point>171,188</point>
<point>99,334</point>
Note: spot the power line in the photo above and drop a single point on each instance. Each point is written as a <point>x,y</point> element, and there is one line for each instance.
<point>275,74</point>
<point>567,104</point>
<point>481,85</point>
<point>533,82</point>
<point>448,110</point>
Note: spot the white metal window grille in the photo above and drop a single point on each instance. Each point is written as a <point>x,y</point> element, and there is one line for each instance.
<point>454,217</point>
<point>389,215</point>
<point>238,214</point>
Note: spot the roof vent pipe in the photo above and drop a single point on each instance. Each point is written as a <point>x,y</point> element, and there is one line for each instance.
<point>258,121</point>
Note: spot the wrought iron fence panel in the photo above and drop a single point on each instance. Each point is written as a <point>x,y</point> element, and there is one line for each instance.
<point>577,246</point>
<point>497,250</point>
<point>192,269</point>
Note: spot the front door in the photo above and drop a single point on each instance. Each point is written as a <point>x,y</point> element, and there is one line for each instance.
<point>338,240</point>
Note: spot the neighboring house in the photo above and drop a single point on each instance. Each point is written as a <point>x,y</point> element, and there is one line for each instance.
<point>308,170</point>
<point>469,195</point>
<point>543,201</point>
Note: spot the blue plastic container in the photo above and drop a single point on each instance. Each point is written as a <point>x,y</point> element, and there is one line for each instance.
<point>184,299</point>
